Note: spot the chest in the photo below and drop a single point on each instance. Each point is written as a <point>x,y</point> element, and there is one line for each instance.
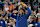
<point>22,18</point>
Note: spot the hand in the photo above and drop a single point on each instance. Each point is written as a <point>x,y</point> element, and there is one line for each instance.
<point>23,4</point>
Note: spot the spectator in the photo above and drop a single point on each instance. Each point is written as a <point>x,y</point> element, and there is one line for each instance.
<point>38,23</point>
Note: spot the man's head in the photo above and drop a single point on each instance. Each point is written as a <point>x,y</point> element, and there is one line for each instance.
<point>21,11</point>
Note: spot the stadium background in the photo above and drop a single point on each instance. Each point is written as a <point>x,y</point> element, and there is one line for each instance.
<point>5,14</point>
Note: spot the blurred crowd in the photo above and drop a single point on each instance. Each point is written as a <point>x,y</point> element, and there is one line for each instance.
<point>9,10</point>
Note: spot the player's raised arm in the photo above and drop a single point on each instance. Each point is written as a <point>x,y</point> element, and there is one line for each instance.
<point>28,11</point>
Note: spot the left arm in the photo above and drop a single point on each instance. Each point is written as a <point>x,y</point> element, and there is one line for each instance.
<point>29,11</point>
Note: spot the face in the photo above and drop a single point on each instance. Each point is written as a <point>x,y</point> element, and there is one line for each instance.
<point>21,11</point>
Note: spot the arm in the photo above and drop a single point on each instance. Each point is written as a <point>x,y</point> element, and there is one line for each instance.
<point>25,6</point>
<point>29,11</point>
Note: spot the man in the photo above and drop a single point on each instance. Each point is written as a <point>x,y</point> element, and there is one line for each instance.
<point>21,20</point>
<point>21,17</point>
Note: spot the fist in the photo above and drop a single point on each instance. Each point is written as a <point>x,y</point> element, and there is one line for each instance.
<point>23,4</point>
